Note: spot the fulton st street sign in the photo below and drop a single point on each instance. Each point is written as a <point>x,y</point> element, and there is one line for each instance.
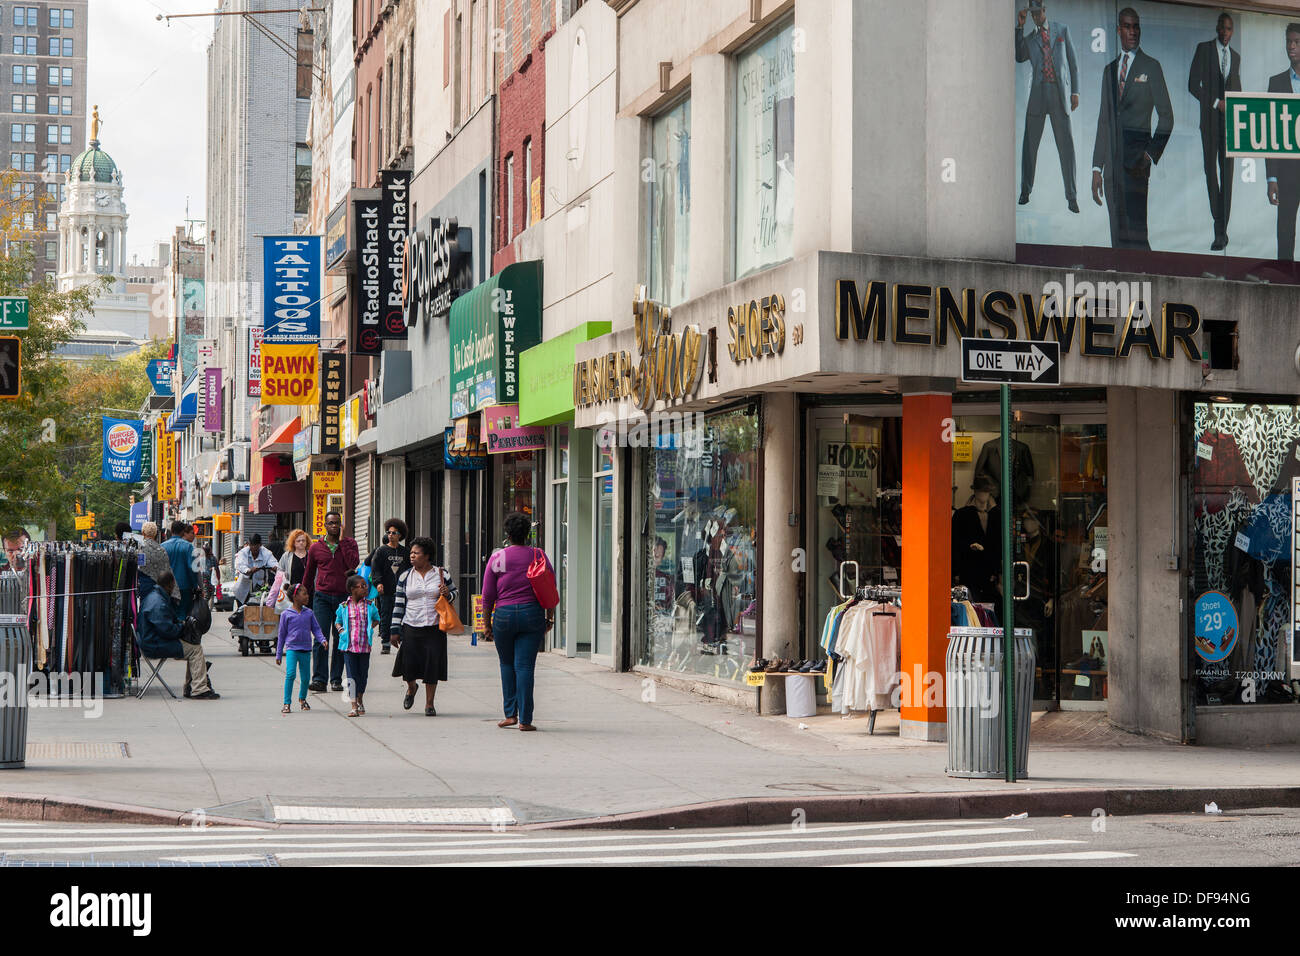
<point>1010,361</point>
<point>1263,125</point>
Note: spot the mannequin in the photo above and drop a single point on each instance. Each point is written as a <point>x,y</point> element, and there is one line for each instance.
<point>1039,550</point>
<point>988,469</point>
<point>977,544</point>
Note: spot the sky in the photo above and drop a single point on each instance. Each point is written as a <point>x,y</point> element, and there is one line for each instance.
<point>149,80</point>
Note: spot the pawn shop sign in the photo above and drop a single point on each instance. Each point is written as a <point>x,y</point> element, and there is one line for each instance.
<point>290,374</point>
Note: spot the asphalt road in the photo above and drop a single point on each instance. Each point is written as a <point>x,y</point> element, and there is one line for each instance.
<point>1250,838</point>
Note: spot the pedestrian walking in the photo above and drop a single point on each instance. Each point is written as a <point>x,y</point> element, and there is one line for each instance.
<point>353,621</point>
<point>299,633</point>
<point>330,562</point>
<point>388,562</point>
<point>514,619</point>
<point>421,645</point>
<point>294,560</point>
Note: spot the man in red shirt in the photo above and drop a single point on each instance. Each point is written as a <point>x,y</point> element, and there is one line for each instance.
<point>329,563</point>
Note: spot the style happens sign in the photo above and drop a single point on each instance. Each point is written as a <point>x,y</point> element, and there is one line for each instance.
<point>439,267</point>
<point>292,281</point>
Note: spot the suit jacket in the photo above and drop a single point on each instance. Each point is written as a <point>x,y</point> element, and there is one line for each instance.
<point>1206,82</point>
<point>1124,123</point>
<point>1029,46</point>
<point>1285,171</point>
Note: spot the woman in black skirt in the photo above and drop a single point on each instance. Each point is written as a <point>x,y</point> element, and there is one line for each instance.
<point>421,646</point>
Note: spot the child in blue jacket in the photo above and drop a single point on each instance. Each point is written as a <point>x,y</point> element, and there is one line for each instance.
<point>352,623</point>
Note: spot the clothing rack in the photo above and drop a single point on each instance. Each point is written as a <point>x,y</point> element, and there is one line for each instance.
<point>80,607</point>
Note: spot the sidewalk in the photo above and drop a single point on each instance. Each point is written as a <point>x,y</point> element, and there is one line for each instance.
<point>600,750</point>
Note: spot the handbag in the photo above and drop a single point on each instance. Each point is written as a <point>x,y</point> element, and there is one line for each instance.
<point>449,621</point>
<point>542,579</point>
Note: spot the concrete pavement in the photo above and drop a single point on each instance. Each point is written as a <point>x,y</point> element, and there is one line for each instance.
<point>609,745</point>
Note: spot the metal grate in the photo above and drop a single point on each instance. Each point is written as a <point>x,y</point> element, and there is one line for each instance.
<point>76,750</point>
<point>483,815</point>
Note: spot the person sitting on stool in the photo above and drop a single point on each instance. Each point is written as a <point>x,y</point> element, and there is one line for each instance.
<point>160,637</point>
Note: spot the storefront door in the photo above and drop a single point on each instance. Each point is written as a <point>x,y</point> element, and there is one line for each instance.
<point>473,540</point>
<point>603,547</point>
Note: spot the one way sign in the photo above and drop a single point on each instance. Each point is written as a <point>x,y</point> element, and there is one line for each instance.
<point>1011,361</point>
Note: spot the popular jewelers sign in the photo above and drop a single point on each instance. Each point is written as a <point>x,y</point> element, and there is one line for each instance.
<point>438,268</point>
<point>670,367</point>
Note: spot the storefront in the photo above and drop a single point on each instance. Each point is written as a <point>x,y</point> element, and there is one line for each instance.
<point>491,326</point>
<point>818,440</point>
<point>574,534</point>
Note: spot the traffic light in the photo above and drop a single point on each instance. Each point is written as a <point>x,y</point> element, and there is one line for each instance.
<point>76,502</point>
<point>11,353</point>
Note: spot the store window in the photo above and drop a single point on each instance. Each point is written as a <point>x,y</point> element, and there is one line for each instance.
<point>518,472</point>
<point>702,549</point>
<point>668,205</point>
<point>560,522</point>
<point>764,168</point>
<point>302,180</point>
<point>1245,469</point>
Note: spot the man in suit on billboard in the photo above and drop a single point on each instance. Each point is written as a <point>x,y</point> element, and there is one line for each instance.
<point>1047,49</point>
<point>1216,69</point>
<point>1132,88</point>
<point>1284,174</point>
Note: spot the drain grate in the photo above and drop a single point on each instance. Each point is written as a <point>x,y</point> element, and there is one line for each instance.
<point>430,815</point>
<point>76,750</point>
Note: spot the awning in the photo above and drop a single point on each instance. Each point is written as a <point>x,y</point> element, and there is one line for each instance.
<point>281,440</point>
<point>282,497</point>
<point>185,414</point>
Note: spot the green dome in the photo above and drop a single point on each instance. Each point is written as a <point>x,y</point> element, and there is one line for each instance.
<point>94,165</point>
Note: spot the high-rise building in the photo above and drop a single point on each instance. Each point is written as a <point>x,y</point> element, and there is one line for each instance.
<point>43,109</point>
<point>259,175</point>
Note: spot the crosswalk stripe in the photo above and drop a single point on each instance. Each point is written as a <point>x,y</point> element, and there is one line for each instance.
<point>181,834</point>
<point>478,847</point>
<point>1011,858</point>
<point>695,858</point>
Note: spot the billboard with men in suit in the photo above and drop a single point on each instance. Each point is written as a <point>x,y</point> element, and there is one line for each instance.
<point>1134,96</point>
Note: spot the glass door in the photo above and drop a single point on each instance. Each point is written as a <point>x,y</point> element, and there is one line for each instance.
<point>603,531</point>
<point>560,524</point>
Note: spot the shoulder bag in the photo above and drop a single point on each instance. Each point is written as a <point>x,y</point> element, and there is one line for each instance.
<point>449,621</point>
<point>542,579</point>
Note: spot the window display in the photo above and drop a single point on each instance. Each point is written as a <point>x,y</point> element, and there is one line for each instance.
<point>668,205</point>
<point>764,170</point>
<point>1245,459</point>
<point>702,548</point>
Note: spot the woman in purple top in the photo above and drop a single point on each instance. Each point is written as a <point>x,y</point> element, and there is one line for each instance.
<point>299,631</point>
<point>514,620</point>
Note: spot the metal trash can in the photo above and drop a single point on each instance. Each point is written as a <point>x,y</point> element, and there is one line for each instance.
<point>15,667</point>
<point>976,732</point>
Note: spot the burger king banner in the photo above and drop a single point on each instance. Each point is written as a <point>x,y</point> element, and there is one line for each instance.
<point>123,440</point>
<point>290,374</point>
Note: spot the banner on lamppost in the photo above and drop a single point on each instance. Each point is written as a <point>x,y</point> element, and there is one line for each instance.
<point>122,440</point>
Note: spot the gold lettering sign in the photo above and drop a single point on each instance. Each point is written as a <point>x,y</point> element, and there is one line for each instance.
<point>671,365</point>
<point>1107,319</point>
<point>757,328</point>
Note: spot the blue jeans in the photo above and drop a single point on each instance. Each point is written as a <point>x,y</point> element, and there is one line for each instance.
<point>518,630</point>
<point>358,671</point>
<point>297,663</point>
<point>328,658</point>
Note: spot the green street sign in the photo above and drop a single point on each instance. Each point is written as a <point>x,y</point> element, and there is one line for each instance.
<point>13,312</point>
<point>1262,125</point>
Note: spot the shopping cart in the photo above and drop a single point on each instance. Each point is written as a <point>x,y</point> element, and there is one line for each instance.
<point>259,625</point>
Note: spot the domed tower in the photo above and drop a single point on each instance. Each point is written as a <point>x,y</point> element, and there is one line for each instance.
<point>92,220</point>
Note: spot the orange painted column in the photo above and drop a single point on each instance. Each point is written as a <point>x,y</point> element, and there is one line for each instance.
<point>927,554</point>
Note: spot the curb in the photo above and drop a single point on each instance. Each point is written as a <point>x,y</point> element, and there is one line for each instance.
<point>756,811</point>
